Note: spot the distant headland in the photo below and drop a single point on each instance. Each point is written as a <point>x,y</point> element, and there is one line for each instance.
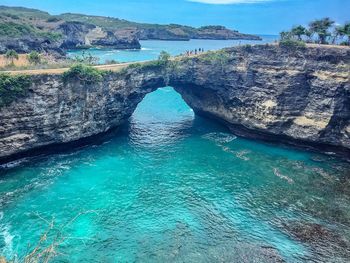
<point>25,30</point>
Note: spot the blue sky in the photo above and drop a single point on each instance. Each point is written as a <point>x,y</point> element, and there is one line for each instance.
<point>250,16</point>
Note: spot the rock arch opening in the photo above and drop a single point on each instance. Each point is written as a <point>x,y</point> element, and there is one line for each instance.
<point>160,117</point>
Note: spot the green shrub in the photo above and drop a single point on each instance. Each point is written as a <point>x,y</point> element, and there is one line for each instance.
<point>220,56</point>
<point>53,36</point>
<point>10,29</point>
<point>164,57</point>
<point>15,17</point>
<point>86,58</point>
<point>34,58</point>
<point>53,19</point>
<point>83,73</point>
<point>11,55</point>
<point>247,47</point>
<point>292,44</point>
<point>111,61</point>
<point>11,87</point>
<point>134,66</point>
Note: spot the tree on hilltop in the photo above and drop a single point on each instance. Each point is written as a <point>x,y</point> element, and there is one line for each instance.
<point>298,31</point>
<point>321,28</point>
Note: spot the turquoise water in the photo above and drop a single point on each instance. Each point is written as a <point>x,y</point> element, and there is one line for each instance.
<point>151,48</point>
<point>174,187</point>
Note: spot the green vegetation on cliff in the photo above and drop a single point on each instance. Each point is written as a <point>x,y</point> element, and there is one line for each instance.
<point>35,20</point>
<point>34,58</point>
<point>162,61</point>
<point>12,87</point>
<point>11,29</point>
<point>321,31</point>
<point>84,73</point>
<point>292,44</point>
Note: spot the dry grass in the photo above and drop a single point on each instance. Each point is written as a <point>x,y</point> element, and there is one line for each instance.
<point>60,70</point>
<point>22,61</point>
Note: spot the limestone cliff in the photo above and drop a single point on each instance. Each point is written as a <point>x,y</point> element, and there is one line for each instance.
<point>77,34</point>
<point>25,30</point>
<point>295,96</point>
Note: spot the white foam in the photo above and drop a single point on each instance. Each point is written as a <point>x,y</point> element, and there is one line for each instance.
<point>7,237</point>
<point>278,174</point>
<point>219,137</point>
<point>12,164</point>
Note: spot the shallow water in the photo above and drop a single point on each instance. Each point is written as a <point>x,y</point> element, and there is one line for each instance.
<point>152,48</point>
<point>173,187</point>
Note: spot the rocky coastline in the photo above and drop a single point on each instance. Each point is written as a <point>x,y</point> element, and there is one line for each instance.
<point>25,30</point>
<point>298,97</point>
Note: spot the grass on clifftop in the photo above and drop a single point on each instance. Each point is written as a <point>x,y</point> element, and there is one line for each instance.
<point>84,73</point>
<point>11,87</point>
<point>292,44</point>
<point>11,29</point>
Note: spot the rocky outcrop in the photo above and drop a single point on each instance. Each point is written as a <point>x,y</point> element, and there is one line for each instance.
<point>25,30</point>
<point>28,43</point>
<point>221,32</point>
<point>295,96</point>
<point>178,32</point>
<point>67,35</point>
<point>82,35</point>
<point>76,35</point>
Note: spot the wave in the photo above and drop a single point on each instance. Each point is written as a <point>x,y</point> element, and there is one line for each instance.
<point>6,237</point>
<point>219,137</point>
<point>284,177</point>
<point>13,164</point>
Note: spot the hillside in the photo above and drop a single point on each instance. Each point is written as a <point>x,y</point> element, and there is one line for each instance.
<point>156,31</point>
<point>24,30</point>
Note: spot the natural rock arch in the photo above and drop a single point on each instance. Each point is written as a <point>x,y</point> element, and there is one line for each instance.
<point>262,92</point>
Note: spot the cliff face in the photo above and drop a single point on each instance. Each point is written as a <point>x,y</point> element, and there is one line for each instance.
<point>178,32</point>
<point>25,30</point>
<point>54,113</point>
<point>300,97</point>
<point>296,96</point>
<point>67,35</point>
<point>76,34</point>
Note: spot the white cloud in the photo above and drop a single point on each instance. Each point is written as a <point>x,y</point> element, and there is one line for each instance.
<point>229,2</point>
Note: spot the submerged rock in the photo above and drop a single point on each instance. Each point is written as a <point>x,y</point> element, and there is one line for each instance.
<point>324,242</point>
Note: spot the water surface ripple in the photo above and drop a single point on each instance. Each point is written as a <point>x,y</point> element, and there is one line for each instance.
<point>173,187</point>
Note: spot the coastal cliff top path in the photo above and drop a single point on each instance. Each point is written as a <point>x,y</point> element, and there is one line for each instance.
<point>119,66</point>
<point>112,67</point>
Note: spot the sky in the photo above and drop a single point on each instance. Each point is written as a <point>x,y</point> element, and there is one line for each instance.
<point>248,16</point>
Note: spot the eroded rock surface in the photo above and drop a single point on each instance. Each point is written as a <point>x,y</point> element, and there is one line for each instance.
<point>297,96</point>
<point>300,97</point>
<point>77,34</point>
